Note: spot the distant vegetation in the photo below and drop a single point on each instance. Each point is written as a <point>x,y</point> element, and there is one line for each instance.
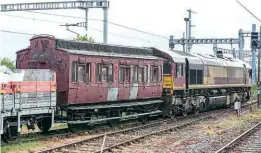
<point>254,91</point>
<point>85,38</point>
<point>7,62</point>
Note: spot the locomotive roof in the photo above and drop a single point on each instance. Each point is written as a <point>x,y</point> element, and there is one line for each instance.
<point>211,60</point>
<point>87,48</point>
<point>179,57</point>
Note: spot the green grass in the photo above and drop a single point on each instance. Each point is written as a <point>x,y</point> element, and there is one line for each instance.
<point>254,91</point>
<point>59,126</point>
<point>17,147</point>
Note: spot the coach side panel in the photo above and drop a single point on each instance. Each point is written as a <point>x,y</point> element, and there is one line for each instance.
<point>104,79</point>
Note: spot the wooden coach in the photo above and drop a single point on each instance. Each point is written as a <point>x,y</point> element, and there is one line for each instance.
<point>95,80</point>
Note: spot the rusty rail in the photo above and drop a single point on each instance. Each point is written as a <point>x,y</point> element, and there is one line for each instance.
<point>248,133</point>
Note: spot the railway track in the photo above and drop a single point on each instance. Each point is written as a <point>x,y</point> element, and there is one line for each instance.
<point>248,142</point>
<point>64,133</point>
<point>127,136</point>
<point>123,137</point>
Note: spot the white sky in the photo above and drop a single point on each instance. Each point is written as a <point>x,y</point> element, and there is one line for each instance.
<point>214,19</point>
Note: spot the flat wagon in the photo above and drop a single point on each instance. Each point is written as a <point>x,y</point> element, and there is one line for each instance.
<point>26,97</point>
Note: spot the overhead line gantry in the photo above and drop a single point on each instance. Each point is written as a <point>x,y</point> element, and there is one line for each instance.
<point>83,5</point>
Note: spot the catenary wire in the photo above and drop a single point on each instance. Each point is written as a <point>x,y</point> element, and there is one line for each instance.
<point>249,11</point>
<point>52,21</point>
<point>112,23</point>
<point>14,32</point>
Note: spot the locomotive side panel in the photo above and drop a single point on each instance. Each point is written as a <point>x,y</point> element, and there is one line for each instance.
<point>215,75</point>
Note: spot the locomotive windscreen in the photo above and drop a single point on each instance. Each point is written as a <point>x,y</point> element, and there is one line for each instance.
<point>166,68</point>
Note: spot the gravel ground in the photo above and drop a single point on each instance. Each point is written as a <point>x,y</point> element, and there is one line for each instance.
<point>206,137</point>
<point>251,144</point>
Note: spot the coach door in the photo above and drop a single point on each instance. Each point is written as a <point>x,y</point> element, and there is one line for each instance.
<point>134,86</point>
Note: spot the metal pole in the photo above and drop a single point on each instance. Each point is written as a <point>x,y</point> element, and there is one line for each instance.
<point>215,49</point>
<point>86,19</point>
<point>240,37</point>
<point>253,58</point>
<point>258,76</point>
<point>183,44</point>
<point>189,28</point>
<point>105,25</point>
<point>234,53</point>
<point>187,35</point>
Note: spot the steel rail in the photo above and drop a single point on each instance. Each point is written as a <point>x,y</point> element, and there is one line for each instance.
<point>153,133</point>
<point>81,142</point>
<point>233,142</point>
<point>64,133</point>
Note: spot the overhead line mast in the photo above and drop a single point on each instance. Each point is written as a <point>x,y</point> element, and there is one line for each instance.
<point>255,43</point>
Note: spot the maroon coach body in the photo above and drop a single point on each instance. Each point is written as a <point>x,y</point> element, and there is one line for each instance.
<point>101,80</point>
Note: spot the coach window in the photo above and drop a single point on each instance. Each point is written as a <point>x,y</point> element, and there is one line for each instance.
<point>74,66</point>
<point>80,73</point>
<point>155,74</point>
<point>178,70</point>
<point>140,75</point>
<point>128,70</point>
<point>151,74</point>
<point>98,72</point>
<point>121,74</point>
<point>145,73</point>
<point>110,76</point>
<point>104,73</point>
<point>135,73</point>
<point>88,72</point>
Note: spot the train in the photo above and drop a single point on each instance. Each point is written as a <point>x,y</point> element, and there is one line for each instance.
<point>93,83</point>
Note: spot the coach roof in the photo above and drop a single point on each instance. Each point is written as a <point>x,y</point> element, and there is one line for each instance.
<point>101,47</point>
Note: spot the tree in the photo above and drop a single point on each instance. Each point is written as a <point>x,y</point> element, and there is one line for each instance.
<point>84,38</point>
<point>7,62</point>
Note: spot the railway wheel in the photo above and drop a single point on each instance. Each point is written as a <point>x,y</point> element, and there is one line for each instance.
<point>112,114</point>
<point>144,119</point>
<point>175,111</point>
<point>196,110</point>
<point>113,123</point>
<point>10,133</point>
<point>45,124</point>
<point>184,110</point>
<point>202,106</point>
<point>74,128</point>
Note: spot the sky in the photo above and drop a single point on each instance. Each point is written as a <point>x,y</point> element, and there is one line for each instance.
<point>213,19</point>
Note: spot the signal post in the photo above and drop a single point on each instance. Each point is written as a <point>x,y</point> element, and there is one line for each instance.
<point>255,44</point>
